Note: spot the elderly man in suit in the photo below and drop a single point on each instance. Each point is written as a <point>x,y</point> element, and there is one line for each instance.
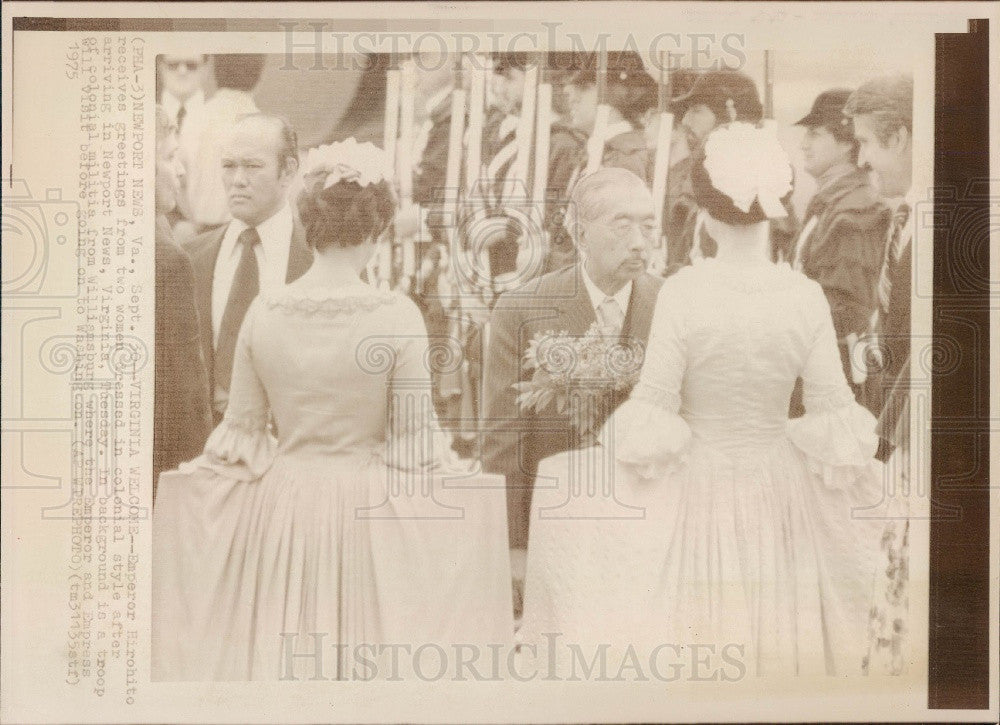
<point>182,418</point>
<point>882,112</point>
<point>610,219</point>
<point>263,246</point>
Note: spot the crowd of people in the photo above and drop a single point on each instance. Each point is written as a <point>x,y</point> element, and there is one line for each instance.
<point>773,377</point>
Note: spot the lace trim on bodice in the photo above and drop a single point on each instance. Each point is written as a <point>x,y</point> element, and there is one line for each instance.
<point>328,302</point>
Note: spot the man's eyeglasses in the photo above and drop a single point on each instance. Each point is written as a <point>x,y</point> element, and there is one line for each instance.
<point>190,65</point>
<point>624,227</point>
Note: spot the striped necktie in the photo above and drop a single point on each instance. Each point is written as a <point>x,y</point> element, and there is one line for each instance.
<point>892,253</point>
<point>611,314</point>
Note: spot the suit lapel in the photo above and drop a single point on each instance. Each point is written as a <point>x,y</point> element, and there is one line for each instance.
<point>577,311</point>
<point>641,303</point>
<point>204,253</point>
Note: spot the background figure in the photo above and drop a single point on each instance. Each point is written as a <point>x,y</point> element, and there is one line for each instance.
<point>630,93</point>
<point>611,213</point>
<point>567,153</point>
<point>182,96</point>
<point>181,93</point>
<point>716,97</point>
<point>435,82</point>
<point>263,246</point>
<point>236,74</point>
<point>882,111</point>
<point>182,417</point>
<point>843,237</point>
<point>500,152</point>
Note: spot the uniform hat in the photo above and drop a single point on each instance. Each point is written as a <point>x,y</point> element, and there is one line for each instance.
<point>624,68</point>
<point>512,59</point>
<point>828,111</point>
<point>718,89</point>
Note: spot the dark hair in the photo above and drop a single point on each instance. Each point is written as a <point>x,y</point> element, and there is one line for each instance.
<point>345,214</point>
<point>630,89</point>
<point>633,98</point>
<point>238,70</point>
<point>718,205</point>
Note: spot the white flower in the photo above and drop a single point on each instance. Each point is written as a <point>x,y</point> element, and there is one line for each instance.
<point>363,163</point>
<point>747,163</point>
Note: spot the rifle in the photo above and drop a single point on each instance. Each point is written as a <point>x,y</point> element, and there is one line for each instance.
<point>539,191</point>
<point>595,145</point>
<point>448,282</point>
<point>404,155</point>
<point>381,267</point>
<point>661,165</point>
<point>769,89</point>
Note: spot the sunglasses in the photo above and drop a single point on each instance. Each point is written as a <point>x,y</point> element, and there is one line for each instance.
<point>191,65</point>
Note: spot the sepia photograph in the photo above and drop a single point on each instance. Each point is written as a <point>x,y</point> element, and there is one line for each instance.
<point>408,358</point>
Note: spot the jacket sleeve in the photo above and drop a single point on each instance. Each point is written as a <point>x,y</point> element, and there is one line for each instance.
<point>501,423</point>
<point>847,266</point>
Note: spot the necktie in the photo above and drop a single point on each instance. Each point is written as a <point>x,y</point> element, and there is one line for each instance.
<point>611,314</point>
<point>246,284</point>
<point>892,253</point>
<point>181,113</point>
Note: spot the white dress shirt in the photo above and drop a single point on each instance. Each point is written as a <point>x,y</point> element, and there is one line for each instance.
<point>172,104</point>
<point>272,259</point>
<point>597,296</point>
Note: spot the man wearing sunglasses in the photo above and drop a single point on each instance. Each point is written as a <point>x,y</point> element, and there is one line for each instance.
<point>182,92</point>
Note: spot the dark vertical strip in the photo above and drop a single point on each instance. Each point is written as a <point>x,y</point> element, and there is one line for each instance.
<point>960,448</point>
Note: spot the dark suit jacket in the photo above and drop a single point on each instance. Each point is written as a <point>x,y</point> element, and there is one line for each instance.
<point>182,416</point>
<point>204,250</point>
<point>894,380</point>
<point>514,443</point>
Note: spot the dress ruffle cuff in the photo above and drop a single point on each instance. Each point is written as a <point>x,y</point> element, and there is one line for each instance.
<point>648,437</point>
<point>238,450</point>
<point>839,444</point>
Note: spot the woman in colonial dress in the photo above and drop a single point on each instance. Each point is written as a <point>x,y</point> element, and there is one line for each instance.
<point>323,513</point>
<point>715,520</point>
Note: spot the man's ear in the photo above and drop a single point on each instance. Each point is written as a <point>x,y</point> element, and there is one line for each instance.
<point>291,168</point>
<point>899,140</point>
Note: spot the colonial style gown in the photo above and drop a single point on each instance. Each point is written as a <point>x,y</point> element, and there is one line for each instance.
<point>706,516</point>
<point>314,510</point>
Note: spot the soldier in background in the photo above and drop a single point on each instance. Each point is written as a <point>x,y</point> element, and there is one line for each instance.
<point>843,238</point>
<point>630,93</point>
<point>715,98</point>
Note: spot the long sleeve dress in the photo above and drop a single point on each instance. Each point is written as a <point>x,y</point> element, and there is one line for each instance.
<point>314,508</point>
<point>705,515</point>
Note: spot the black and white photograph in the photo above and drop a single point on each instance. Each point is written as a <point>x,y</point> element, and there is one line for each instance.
<point>418,352</point>
<point>643,336</point>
